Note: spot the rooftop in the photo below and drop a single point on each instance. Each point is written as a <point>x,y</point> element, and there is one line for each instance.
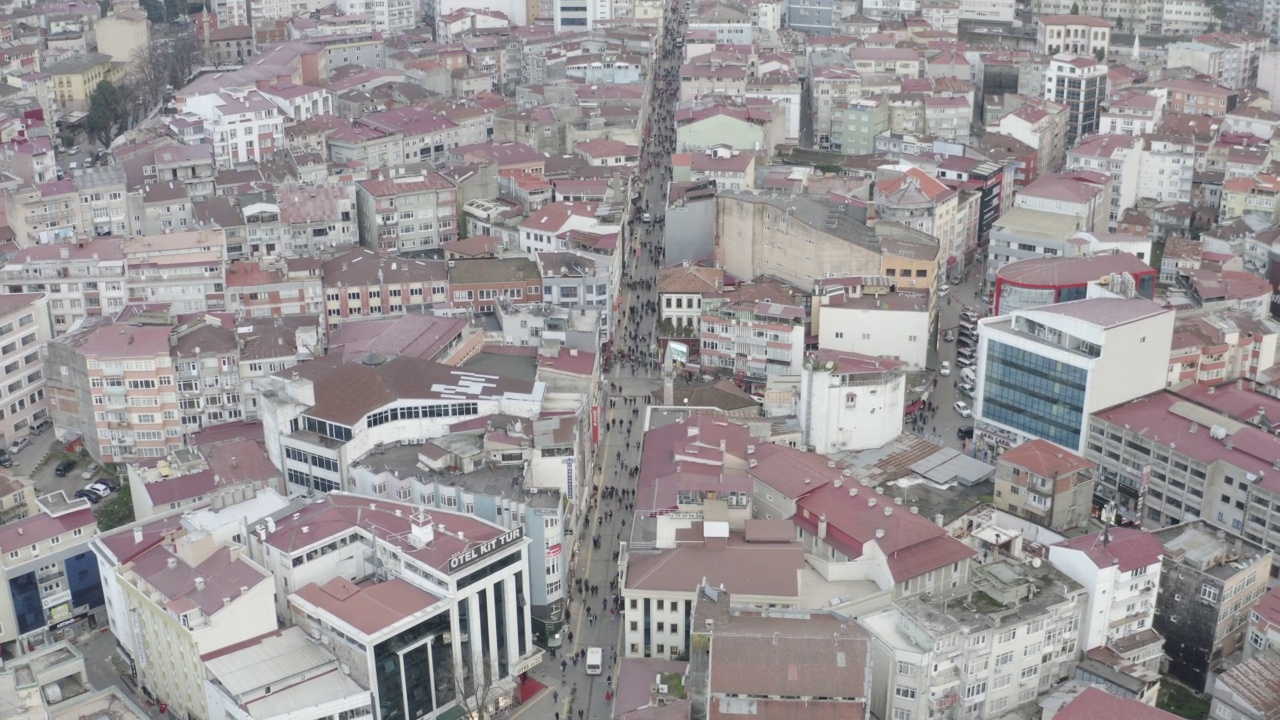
<point>1068,272</point>
<point>368,607</point>
<point>1125,548</point>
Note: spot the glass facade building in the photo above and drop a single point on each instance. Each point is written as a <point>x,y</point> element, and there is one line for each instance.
<point>1034,394</point>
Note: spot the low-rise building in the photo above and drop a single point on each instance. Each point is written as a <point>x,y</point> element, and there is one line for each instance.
<point>850,401</point>
<point>407,214</point>
<point>1044,483</point>
<point>364,283</point>
<point>875,316</point>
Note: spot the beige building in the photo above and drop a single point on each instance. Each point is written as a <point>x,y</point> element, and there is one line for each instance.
<point>113,384</point>
<point>1044,483</point>
<point>79,279</point>
<point>125,34</point>
<point>183,269</point>
<point>181,596</point>
<point>800,239</point>
<point>75,78</point>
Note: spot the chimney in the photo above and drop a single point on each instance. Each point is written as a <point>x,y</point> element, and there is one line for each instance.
<point>938,519</point>
<point>199,583</point>
<point>171,563</point>
<point>822,527</point>
<point>137,535</point>
<point>879,533</point>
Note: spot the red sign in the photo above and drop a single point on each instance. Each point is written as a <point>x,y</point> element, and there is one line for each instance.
<point>554,551</point>
<point>595,424</point>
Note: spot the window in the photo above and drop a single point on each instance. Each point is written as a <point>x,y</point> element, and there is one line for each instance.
<point>1030,672</point>
<point>905,669</point>
<point>1004,659</point>
<point>1209,593</point>
<point>901,714</point>
<point>975,690</point>
<point>902,691</point>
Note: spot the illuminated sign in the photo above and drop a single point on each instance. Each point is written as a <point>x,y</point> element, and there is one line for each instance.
<point>488,547</point>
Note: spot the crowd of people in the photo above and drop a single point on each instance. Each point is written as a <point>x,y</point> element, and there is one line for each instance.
<point>634,352</point>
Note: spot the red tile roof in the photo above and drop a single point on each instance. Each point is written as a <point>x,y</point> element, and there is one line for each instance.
<point>1096,704</point>
<point>1128,549</point>
<point>1045,459</point>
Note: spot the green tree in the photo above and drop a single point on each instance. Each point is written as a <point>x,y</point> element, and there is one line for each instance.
<point>116,510</point>
<point>1100,54</point>
<point>1075,8</point>
<point>108,114</point>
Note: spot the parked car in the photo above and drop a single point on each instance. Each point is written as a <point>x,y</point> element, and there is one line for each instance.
<point>19,445</point>
<point>5,459</point>
<point>102,488</point>
<point>90,494</point>
<point>965,362</point>
<point>646,217</point>
<point>963,409</point>
<point>944,290</point>
<point>949,336</point>
<point>75,150</point>
<point>42,426</point>
<point>89,471</point>
<point>945,369</point>
<point>107,483</point>
<point>64,467</point>
<point>965,433</point>
<point>967,389</point>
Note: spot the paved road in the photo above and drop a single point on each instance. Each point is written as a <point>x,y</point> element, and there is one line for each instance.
<point>627,388</point>
<point>942,427</point>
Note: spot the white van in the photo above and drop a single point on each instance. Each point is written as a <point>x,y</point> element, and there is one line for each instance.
<point>968,375</point>
<point>595,660</point>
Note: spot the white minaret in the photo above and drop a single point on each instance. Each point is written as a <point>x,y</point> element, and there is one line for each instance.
<point>1137,46</point>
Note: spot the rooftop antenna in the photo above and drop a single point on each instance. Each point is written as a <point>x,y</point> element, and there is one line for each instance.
<point>1108,518</point>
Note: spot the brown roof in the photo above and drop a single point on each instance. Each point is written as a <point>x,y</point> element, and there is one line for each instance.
<point>736,565</point>
<point>479,271</point>
<point>1045,459</point>
<point>690,279</point>
<point>346,392</point>
<point>370,607</point>
<point>362,266</point>
<point>818,656</point>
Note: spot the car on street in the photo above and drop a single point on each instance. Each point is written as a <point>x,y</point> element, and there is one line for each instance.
<point>963,409</point>
<point>73,166</point>
<point>949,336</point>
<point>90,494</point>
<point>970,316</point>
<point>646,217</point>
<point>945,369</point>
<point>965,432</point>
<point>64,467</point>
<point>966,388</point>
<point>75,150</point>
<point>89,471</point>
<point>965,362</point>
<point>944,290</point>
<point>19,445</point>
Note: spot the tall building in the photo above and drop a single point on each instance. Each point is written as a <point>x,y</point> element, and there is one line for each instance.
<point>1079,83</point>
<point>24,330</point>
<point>1120,569</point>
<point>1042,372</point>
<point>113,385</point>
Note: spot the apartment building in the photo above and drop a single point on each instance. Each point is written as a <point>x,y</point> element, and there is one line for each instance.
<point>1120,569</point>
<point>113,385</point>
<point>45,213</point>
<point>176,596</point>
<point>52,588</point>
<point>1166,458</point>
<point>78,279</point>
<point>24,330</point>
<point>1121,157</point>
<point>317,219</point>
<point>407,214</point>
<point>1080,84</point>
<point>364,283</point>
<point>1041,372</point>
<point>275,287</point>
<point>874,316</point>
<point>480,284</point>
<point>1208,589</point>
<point>980,649</point>
<point>922,202</point>
<point>1221,347</point>
<point>849,401</point>
<point>182,269</point>
<point>206,360</point>
<point>1044,483</point>
<point>104,200</point>
<point>753,335</point>
<point>319,423</point>
<point>1194,97</point>
<point>760,565</point>
<point>244,125</point>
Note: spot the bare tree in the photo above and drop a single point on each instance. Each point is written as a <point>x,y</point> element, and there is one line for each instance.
<point>478,696</point>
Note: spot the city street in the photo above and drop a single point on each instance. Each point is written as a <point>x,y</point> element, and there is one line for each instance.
<point>591,620</point>
<point>942,427</point>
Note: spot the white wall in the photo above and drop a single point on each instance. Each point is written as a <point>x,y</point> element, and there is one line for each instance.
<point>852,417</point>
<point>889,331</point>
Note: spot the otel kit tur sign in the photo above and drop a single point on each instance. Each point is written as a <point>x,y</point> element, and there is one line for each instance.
<point>479,552</point>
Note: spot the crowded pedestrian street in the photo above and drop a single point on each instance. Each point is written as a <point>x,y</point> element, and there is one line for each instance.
<point>593,616</point>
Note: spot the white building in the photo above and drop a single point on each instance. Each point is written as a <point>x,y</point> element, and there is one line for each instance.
<point>24,332</point>
<point>1120,570</point>
<point>1075,34</point>
<point>1043,371</point>
<point>998,11</point>
<point>545,229</point>
<point>1119,156</point>
<point>329,414</point>
<point>993,644</point>
<point>1168,167</point>
<point>871,317</point>
<point>850,401</point>
<point>245,126</point>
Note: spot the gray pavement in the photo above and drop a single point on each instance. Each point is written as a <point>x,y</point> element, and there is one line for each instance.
<point>942,426</point>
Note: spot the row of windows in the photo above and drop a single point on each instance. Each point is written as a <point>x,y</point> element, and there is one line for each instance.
<point>311,459</point>
<point>1034,394</point>
<point>422,411</point>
